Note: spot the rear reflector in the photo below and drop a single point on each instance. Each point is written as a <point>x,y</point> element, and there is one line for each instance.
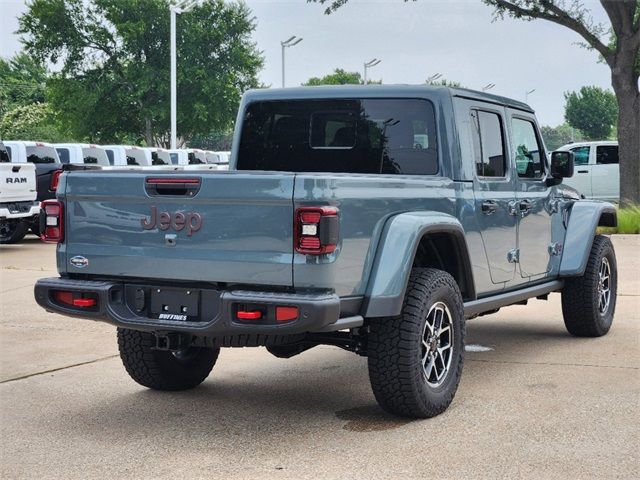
<point>74,299</point>
<point>249,315</point>
<point>286,314</point>
<point>84,302</point>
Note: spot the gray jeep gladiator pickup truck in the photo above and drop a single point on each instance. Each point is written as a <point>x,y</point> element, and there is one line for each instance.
<point>376,219</point>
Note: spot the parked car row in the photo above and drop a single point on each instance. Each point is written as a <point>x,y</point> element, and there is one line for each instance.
<point>19,210</point>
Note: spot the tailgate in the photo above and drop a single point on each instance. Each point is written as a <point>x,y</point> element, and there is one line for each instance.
<point>17,182</point>
<point>214,227</point>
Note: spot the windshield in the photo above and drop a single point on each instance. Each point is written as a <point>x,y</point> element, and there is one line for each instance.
<point>389,136</point>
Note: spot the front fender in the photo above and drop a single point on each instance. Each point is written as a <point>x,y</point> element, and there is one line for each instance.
<point>584,218</point>
<point>396,252</point>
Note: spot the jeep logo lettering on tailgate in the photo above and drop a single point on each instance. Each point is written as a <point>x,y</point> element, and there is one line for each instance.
<point>177,221</point>
<point>17,180</point>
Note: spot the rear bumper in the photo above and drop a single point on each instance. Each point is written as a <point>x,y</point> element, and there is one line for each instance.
<point>115,305</point>
<point>19,209</point>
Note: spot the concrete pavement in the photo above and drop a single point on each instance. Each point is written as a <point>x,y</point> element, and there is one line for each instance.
<point>539,404</point>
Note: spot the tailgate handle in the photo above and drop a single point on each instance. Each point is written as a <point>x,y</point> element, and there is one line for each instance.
<point>172,186</point>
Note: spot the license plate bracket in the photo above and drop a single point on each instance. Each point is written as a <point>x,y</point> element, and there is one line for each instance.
<point>175,304</point>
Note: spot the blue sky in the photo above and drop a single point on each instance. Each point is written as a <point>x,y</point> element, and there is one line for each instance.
<point>414,40</point>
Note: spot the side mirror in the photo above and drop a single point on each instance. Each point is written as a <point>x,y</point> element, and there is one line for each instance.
<point>562,165</point>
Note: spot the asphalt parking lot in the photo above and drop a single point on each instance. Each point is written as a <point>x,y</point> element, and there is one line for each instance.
<point>538,404</point>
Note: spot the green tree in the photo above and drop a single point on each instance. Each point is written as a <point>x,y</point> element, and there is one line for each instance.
<point>339,77</point>
<point>555,137</point>
<point>621,52</point>
<point>114,81</point>
<point>592,110</point>
<point>29,122</point>
<point>22,82</point>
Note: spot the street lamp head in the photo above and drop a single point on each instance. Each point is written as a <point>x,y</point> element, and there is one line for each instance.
<point>290,42</point>
<point>434,77</point>
<point>372,63</point>
<point>183,6</point>
<point>488,86</point>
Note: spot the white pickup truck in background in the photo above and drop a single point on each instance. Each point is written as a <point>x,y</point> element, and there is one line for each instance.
<point>597,172</point>
<point>19,209</point>
<point>82,153</point>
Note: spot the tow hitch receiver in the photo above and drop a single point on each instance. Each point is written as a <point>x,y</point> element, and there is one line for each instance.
<point>172,341</point>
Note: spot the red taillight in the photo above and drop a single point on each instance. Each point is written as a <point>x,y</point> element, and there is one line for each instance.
<point>55,180</point>
<point>286,314</point>
<point>316,230</point>
<point>53,228</point>
<point>249,315</point>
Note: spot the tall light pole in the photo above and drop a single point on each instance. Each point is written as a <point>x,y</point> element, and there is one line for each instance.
<point>526,95</point>
<point>488,86</point>
<point>433,78</point>
<point>174,9</point>
<point>288,43</point>
<point>368,65</point>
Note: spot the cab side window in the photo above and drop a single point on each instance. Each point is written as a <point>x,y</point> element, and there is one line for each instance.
<point>528,152</point>
<point>488,142</point>
<point>581,155</point>
<point>607,154</point>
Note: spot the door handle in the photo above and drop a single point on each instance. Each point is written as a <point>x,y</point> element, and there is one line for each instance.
<point>583,171</point>
<point>489,207</point>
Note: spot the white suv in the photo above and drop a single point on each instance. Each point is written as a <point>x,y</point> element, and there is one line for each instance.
<point>597,173</point>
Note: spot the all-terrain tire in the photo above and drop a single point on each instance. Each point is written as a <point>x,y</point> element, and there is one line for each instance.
<point>162,369</point>
<point>12,230</point>
<point>396,350</point>
<point>581,296</point>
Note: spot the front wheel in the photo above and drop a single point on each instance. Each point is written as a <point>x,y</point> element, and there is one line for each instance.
<point>589,301</point>
<point>163,369</point>
<point>415,359</point>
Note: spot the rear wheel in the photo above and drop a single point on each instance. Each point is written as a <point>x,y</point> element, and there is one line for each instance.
<point>162,369</point>
<point>589,301</point>
<point>12,230</point>
<point>415,359</point>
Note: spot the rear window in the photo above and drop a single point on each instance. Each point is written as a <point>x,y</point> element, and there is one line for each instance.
<point>389,136</point>
<point>42,155</point>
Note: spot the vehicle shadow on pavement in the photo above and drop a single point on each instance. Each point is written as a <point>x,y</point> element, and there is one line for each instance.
<point>306,393</point>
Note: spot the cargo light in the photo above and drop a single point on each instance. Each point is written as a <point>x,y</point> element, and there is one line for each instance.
<point>53,227</point>
<point>316,230</point>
